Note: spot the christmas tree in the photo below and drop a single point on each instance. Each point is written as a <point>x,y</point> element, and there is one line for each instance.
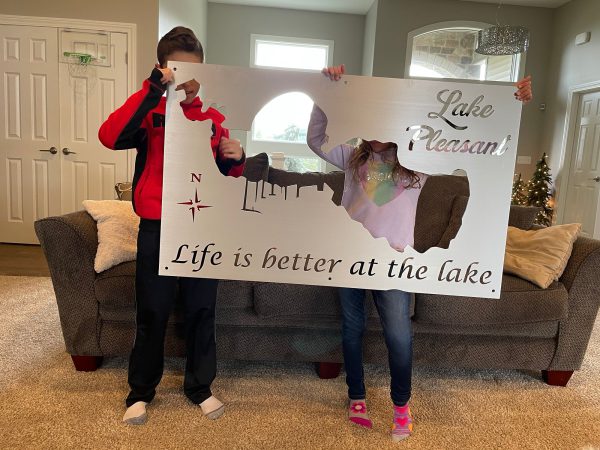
<point>519,191</point>
<point>538,192</point>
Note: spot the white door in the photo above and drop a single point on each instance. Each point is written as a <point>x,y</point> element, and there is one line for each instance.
<point>90,170</point>
<point>584,178</point>
<point>29,130</point>
<point>50,156</point>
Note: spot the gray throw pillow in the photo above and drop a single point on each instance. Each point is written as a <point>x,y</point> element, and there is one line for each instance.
<point>522,216</point>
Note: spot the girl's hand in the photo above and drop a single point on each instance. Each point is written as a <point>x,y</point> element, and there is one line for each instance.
<point>524,92</point>
<point>335,72</point>
<point>230,149</point>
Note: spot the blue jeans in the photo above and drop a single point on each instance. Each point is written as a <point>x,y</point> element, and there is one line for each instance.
<point>394,312</point>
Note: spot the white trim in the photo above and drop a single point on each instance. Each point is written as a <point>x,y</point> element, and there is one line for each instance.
<point>564,164</point>
<point>130,29</point>
<point>289,40</point>
<point>521,58</point>
<point>292,149</point>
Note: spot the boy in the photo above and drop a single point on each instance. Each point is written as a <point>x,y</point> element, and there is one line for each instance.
<point>139,124</point>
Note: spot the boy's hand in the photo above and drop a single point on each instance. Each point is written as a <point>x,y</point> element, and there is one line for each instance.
<point>167,74</point>
<point>335,72</point>
<point>191,89</point>
<point>231,149</point>
<point>524,92</point>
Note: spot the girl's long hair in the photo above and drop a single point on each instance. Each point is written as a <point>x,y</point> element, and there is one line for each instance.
<point>364,151</point>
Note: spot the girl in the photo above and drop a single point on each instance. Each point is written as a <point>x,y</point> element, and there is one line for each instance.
<point>381,194</point>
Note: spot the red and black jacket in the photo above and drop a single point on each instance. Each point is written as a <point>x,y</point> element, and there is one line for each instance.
<point>140,124</point>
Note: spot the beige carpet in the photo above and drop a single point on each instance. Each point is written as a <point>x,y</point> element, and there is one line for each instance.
<point>45,404</point>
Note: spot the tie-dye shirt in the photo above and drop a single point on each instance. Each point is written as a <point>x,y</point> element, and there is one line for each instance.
<point>385,208</point>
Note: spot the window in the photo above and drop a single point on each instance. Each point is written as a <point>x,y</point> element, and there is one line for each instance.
<point>290,53</point>
<point>283,119</point>
<point>447,50</point>
<point>280,127</point>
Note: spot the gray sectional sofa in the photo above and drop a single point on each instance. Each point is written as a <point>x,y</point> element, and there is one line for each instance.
<point>545,330</point>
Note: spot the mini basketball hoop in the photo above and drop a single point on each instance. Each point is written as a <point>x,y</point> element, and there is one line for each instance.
<point>79,62</point>
<point>83,51</point>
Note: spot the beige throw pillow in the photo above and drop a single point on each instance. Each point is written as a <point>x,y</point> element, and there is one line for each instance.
<point>540,256</point>
<point>117,232</point>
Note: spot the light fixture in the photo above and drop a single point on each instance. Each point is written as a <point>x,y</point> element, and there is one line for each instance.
<point>502,39</point>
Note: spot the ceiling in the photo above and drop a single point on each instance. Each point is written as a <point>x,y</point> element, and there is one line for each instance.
<point>543,3</point>
<point>338,6</point>
<point>362,6</point>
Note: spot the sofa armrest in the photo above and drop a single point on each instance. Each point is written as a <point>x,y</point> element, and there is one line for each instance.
<point>69,243</point>
<point>580,278</point>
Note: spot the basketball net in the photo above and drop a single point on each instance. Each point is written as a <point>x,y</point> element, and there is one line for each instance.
<point>80,66</point>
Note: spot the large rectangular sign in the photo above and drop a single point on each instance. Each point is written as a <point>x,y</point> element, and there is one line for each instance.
<point>209,230</point>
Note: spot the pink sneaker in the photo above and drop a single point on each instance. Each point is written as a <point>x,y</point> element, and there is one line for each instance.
<point>403,423</point>
<point>357,413</point>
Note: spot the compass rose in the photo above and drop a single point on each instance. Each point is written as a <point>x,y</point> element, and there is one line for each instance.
<point>194,205</point>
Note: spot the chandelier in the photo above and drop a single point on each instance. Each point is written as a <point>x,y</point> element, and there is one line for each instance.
<point>502,39</point>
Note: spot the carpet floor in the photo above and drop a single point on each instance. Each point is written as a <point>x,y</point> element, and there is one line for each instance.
<point>46,404</point>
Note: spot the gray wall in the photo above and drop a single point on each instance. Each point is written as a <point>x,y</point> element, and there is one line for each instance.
<point>187,13</point>
<point>397,18</point>
<point>570,66</point>
<point>369,39</point>
<point>144,13</point>
<point>230,27</point>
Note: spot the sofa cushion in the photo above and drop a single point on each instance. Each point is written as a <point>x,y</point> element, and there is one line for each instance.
<point>546,329</point>
<point>522,216</point>
<point>297,302</point>
<point>235,295</point>
<point>115,287</point>
<point>520,302</point>
<point>273,300</point>
<point>434,208</point>
<point>284,300</point>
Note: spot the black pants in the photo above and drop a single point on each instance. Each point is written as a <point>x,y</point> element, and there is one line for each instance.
<point>155,296</point>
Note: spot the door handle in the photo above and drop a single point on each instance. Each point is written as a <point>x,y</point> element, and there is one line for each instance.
<point>596,179</point>
<point>52,150</point>
<point>66,151</point>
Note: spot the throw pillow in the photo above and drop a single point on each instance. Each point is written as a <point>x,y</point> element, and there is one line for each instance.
<point>117,232</point>
<point>540,256</point>
<point>257,168</point>
<point>522,216</point>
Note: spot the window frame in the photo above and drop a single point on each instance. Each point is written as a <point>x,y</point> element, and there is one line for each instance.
<point>307,42</point>
<point>287,148</point>
<point>291,149</point>
<point>521,58</point>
